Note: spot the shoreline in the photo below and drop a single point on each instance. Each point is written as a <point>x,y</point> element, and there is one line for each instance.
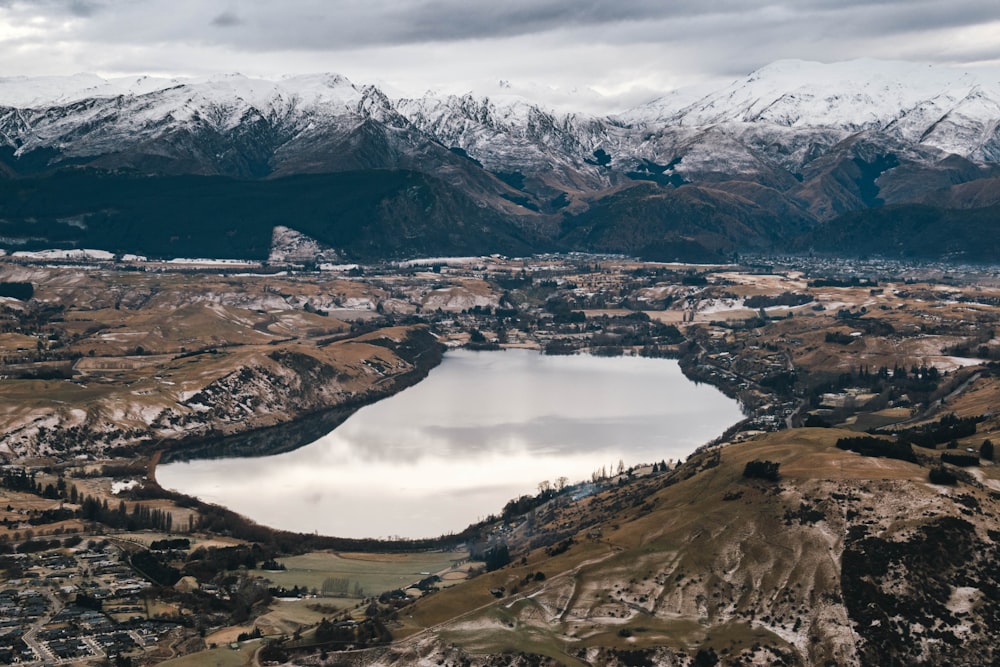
<point>309,427</point>
<point>301,432</point>
<point>294,433</point>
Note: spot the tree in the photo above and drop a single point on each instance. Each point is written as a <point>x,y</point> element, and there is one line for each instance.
<point>497,557</point>
<point>335,585</point>
<point>762,470</point>
<point>986,450</point>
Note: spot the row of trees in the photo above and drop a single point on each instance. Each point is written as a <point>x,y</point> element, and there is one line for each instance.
<point>90,508</point>
<point>867,445</point>
<point>949,428</point>
<point>141,517</point>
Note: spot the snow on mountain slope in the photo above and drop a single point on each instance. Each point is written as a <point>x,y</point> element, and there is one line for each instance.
<point>852,95</point>
<point>790,145</point>
<point>54,92</point>
<point>955,111</point>
<point>769,126</point>
<point>116,115</point>
<point>510,134</point>
<point>779,118</point>
<point>965,126</point>
<point>30,92</point>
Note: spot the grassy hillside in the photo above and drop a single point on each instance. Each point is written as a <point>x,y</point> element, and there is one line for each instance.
<point>843,560</point>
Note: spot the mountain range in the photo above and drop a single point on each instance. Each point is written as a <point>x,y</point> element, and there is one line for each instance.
<point>861,157</point>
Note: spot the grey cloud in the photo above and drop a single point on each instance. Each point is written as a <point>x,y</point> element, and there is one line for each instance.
<point>83,8</point>
<point>54,8</point>
<point>628,46</point>
<point>443,20</point>
<point>895,18</point>
<point>730,26</point>
<point>226,19</point>
<point>348,24</point>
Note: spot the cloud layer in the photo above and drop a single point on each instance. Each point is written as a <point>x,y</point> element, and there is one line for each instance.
<point>627,50</point>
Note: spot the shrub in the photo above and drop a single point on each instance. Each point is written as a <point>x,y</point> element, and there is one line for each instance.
<point>940,475</point>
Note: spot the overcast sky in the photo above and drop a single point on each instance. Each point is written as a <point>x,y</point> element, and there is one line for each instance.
<point>627,50</point>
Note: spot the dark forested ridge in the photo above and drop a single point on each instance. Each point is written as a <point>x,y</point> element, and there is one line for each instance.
<point>365,214</point>
<point>377,214</point>
<point>387,214</point>
<point>911,231</point>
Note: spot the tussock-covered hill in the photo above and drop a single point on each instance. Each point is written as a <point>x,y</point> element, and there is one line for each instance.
<point>843,560</point>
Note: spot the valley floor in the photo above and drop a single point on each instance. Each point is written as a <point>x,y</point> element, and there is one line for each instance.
<point>106,366</point>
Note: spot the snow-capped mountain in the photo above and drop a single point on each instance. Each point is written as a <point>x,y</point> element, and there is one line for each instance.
<point>794,140</point>
<point>855,95</point>
<point>93,120</point>
<point>510,134</point>
<point>792,112</point>
<point>804,106</point>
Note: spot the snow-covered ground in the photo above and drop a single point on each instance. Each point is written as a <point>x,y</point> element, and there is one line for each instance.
<point>82,254</point>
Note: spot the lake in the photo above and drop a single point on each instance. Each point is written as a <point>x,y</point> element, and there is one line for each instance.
<point>484,427</point>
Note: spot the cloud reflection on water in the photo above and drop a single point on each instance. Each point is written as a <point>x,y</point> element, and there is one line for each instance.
<point>481,429</point>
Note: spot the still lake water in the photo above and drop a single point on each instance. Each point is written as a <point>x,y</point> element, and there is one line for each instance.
<point>484,427</point>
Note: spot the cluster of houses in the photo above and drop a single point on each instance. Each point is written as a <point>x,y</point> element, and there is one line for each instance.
<point>77,603</point>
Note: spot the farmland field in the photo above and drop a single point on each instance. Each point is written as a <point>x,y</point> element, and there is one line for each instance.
<point>375,573</point>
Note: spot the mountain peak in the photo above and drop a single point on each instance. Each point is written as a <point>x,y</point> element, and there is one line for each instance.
<point>51,91</point>
<point>851,95</point>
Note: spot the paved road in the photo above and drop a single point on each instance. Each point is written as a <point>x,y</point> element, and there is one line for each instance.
<point>44,655</point>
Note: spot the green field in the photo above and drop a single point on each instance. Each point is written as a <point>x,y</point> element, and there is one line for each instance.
<point>375,573</point>
<point>217,657</point>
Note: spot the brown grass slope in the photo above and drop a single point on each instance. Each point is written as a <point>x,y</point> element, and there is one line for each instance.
<point>844,560</point>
